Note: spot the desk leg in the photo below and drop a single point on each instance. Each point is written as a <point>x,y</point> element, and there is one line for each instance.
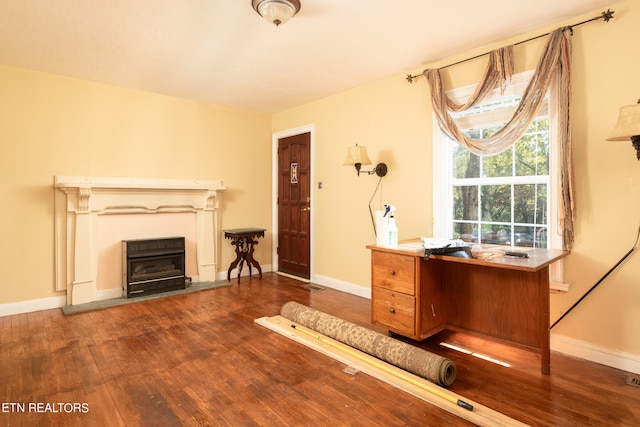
<point>239,244</point>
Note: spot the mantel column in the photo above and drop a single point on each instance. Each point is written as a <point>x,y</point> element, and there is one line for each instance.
<point>84,284</point>
<point>208,227</point>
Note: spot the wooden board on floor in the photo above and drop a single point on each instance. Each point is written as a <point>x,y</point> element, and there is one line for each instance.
<point>481,415</point>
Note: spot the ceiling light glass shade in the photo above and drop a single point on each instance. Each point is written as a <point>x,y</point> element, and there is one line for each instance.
<point>628,124</point>
<point>276,11</point>
<point>357,154</point>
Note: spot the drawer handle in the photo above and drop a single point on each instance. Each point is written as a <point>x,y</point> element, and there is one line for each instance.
<point>392,310</point>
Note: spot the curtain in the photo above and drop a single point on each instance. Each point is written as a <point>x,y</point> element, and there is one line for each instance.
<point>555,61</point>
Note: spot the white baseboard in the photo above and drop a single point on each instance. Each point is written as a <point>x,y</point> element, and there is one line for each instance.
<point>616,359</point>
<point>559,286</point>
<point>340,285</point>
<point>291,276</point>
<point>32,305</point>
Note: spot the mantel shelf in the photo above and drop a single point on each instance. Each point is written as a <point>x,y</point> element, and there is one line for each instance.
<point>135,183</point>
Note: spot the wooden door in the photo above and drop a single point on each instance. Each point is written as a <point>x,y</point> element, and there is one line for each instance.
<point>294,205</point>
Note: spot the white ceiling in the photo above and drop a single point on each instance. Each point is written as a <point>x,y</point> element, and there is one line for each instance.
<point>224,53</point>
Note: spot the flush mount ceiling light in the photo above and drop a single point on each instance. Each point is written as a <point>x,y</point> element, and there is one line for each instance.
<point>276,11</point>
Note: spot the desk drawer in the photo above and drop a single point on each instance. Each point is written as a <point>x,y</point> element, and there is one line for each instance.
<point>394,272</point>
<point>394,310</point>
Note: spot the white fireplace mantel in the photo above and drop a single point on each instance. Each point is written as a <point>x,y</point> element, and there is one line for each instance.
<point>79,201</point>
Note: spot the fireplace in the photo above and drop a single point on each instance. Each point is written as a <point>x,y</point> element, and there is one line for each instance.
<point>81,202</point>
<point>151,266</point>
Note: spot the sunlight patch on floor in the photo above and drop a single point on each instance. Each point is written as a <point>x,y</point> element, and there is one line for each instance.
<point>478,355</point>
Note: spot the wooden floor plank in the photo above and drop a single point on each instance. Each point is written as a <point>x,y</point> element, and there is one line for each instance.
<point>199,359</point>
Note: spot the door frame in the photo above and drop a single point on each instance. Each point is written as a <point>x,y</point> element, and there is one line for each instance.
<point>311,129</point>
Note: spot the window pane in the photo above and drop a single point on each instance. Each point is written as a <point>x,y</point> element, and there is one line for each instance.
<point>498,165</point>
<point>530,204</point>
<point>496,203</point>
<point>524,203</point>
<point>465,163</point>
<point>464,230</point>
<point>541,208</point>
<point>490,233</point>
<point>489,131</point>
<point>532,150</point>
<point>465,203</point>
<point>526,158</point>
<point>541,237</point>
<point>473,133</point>
<point>523,236</point>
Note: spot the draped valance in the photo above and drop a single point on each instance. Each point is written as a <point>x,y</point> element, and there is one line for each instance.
<point>553,65</point>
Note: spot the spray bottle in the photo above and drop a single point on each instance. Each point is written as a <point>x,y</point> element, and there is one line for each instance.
<point>391,238</point>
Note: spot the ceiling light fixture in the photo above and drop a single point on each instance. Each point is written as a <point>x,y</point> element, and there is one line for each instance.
<point>276,11</point>
<point>628,126</point>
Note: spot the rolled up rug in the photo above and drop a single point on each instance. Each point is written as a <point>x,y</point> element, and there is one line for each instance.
<point>435,368</point>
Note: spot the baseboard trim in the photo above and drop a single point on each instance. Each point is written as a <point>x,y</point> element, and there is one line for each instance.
<point>22,307</point>
<point>292,276</point>
<point>343,286</point>
<point>615,359</point>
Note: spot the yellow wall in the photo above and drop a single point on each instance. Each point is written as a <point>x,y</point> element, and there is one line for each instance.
<point>394,120</point>
<point>51,125</point>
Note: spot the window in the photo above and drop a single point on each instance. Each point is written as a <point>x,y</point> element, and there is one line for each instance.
<point>504,199</point>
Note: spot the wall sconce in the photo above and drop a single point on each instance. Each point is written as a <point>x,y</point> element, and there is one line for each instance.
<point>357,156</point>
<point>628,126</point>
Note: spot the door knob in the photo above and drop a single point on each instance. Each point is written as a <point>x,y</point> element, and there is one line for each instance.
<point>306,209</point>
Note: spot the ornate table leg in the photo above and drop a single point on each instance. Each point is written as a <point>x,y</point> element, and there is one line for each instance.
<point>251,260</point>
<point>239,243</point>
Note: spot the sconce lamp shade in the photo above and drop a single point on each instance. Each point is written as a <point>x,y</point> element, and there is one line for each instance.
<point>628,126</point>
<point>276,11</point>
<point>357,154</point>
<point>628,123</point>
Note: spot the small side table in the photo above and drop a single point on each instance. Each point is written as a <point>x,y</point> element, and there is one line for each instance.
<point>244,239</point>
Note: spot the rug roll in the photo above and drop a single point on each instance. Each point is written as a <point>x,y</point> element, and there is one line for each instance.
<point>432,367</point>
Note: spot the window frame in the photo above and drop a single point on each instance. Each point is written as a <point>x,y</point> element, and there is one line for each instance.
<point>442,166</point>
<point>442,177</point>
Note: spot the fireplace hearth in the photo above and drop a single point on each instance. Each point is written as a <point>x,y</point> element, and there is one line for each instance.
<point>151,266</point>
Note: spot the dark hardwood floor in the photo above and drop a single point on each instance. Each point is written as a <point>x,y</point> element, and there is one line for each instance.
<point>198,359</point>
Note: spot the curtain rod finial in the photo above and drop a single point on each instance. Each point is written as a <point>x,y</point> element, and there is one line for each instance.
<point>608,15</point>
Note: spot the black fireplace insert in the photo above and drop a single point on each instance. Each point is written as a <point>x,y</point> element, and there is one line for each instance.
<point>151,266</point>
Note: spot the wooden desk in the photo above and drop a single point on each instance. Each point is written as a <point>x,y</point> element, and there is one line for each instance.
<point>244,239</point>
<point>505,298</point>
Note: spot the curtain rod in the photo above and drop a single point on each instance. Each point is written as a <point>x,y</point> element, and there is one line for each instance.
<point>606,16</point>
